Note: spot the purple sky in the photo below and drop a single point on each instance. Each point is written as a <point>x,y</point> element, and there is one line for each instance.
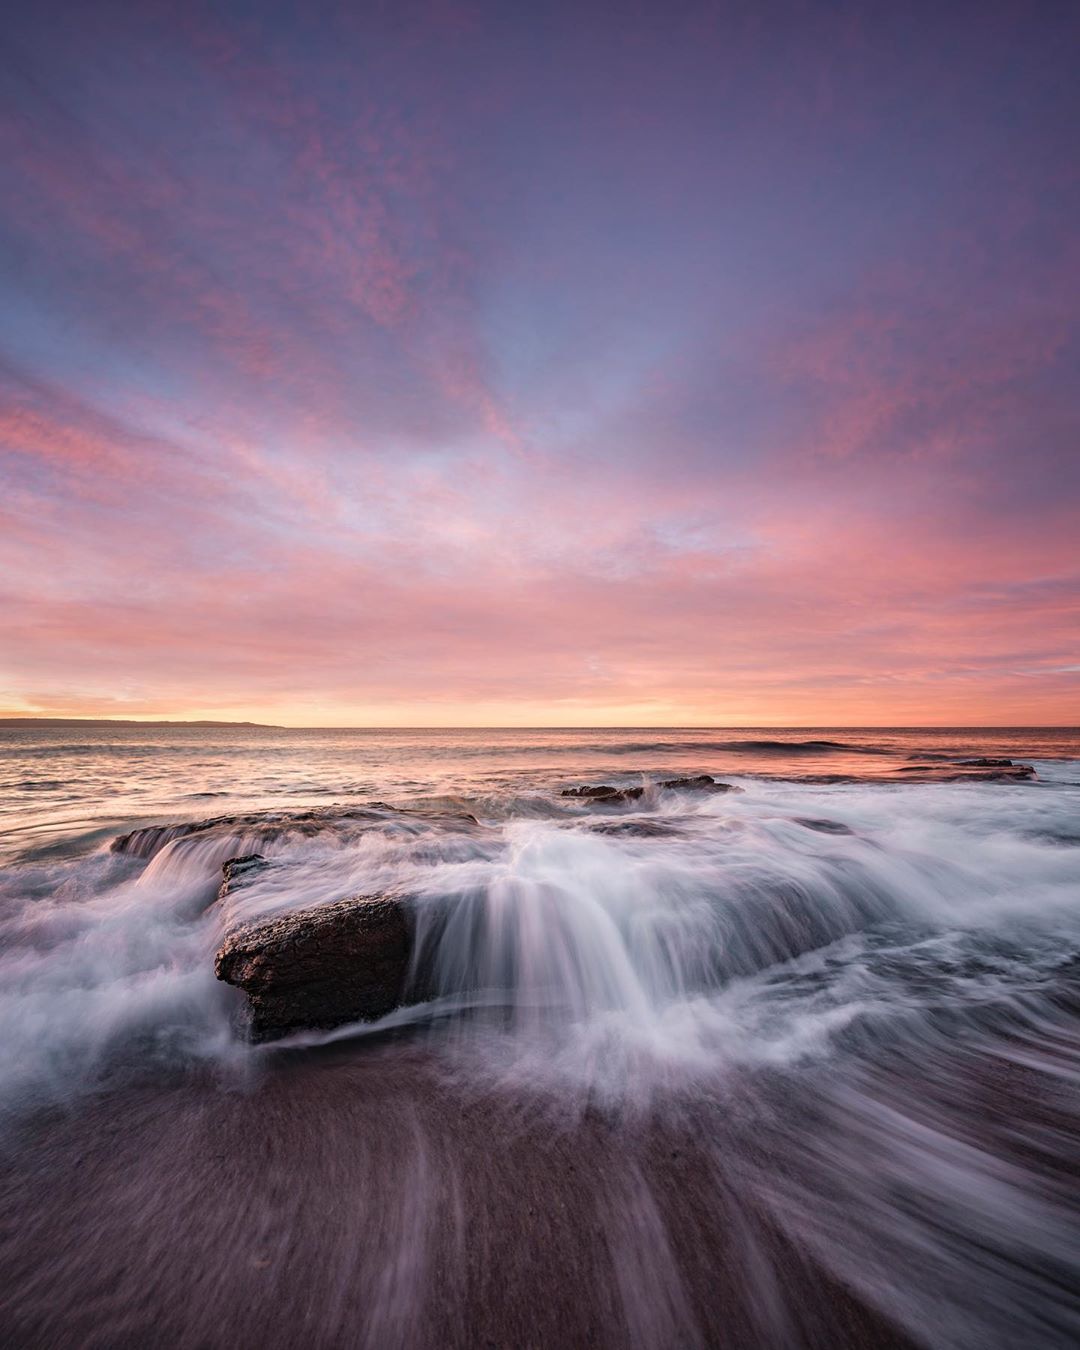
<point>560,364</point>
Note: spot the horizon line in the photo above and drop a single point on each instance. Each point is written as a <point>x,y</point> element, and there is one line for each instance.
<point>629,726</point>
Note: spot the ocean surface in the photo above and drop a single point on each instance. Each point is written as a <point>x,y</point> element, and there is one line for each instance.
<point>792,1065</point>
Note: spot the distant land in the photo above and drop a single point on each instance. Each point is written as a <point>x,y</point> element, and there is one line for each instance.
<point>126,722</point>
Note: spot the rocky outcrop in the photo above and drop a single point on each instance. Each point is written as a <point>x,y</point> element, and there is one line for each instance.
<point>603,792</point>
<point>607,795</point>
<point>313,968</point>
<point>145,842</point>
<point>320,965</point>
<point>260,828</point>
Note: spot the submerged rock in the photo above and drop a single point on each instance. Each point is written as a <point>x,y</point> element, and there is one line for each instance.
<point>145,842</point>
<point>314,968</point>
<point>823,826</point>
<point>636,827</point>
<point>969,770</point>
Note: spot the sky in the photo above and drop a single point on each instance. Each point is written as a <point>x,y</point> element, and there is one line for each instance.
<point>564,364</point>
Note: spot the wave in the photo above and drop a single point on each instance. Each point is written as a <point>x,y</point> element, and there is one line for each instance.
<point>120,748</point>
<point>802,747</point>
<point>747,746</point>
<point>566,921</point>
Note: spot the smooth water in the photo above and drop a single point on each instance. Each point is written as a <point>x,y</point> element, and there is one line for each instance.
<point>791,1066</point>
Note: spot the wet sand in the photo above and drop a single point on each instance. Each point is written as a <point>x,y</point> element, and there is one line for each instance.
<point>363,1197</point>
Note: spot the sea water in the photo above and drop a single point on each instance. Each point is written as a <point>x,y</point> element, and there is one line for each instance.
<point>790,1064</point>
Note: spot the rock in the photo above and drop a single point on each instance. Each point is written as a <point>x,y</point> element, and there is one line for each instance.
<point>969,771</point>
<point>636,827</point>
<point>145,842</point>
<point>259,828</point>
<point>823,826</point>
<point>607,795</point>
<point>314,968</point>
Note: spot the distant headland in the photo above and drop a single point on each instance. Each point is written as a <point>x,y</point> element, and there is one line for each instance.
<point>126,722</point>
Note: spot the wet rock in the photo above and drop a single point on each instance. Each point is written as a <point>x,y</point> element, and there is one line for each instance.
<point>640,827</point>
<point>313,968</point>
<point>823,826</point>
<point>263,827</point>
<point>605,794</point>
<point>702,783</point>
<point>239,871</point>
<point>969,771</point>
<point>145,842</point>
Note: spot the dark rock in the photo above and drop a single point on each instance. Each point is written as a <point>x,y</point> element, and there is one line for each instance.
<point>318,967</point>
<point>702,783</point>
<point>605,793</point>
<point>237,870</point>
<point>824,826</point>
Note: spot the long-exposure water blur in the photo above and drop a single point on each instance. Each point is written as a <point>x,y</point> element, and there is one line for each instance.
<point>787,1059</point>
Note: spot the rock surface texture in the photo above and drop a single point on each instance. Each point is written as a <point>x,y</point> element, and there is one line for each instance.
<point>318,967</point>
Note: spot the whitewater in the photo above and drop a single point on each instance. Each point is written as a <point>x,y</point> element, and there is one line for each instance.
<point>794,1062</point>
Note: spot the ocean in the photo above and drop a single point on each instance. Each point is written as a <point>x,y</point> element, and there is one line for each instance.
<point>788,1060</point>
